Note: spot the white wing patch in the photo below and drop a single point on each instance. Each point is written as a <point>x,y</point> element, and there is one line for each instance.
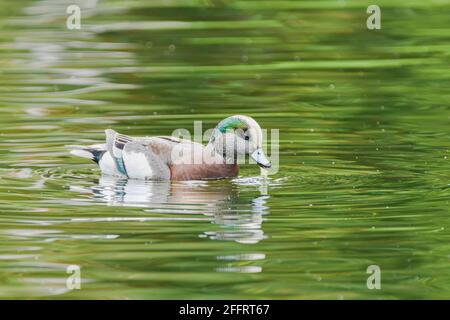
<point>137,165</point>
<point>107,165</point>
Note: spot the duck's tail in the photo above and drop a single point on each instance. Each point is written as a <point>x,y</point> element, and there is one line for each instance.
<point>94,152</point>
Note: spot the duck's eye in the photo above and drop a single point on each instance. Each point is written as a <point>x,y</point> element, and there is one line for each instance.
<point>247,137</point>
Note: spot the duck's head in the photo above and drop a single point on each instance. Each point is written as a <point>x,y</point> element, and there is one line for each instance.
<point>240,135</point>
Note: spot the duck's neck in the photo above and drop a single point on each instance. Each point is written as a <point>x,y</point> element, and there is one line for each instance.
<point>215,151</point>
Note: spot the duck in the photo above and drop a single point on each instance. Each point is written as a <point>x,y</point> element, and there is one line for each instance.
<point>172,158</point>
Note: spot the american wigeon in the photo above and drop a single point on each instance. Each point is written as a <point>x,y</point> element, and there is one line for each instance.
<point>170,158</point>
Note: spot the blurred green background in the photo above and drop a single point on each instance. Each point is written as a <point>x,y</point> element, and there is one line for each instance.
<point>364,149</point>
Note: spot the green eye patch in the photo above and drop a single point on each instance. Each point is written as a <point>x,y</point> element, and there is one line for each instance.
<point>231,124</point>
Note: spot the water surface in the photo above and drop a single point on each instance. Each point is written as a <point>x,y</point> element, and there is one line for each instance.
<point>364,149</point>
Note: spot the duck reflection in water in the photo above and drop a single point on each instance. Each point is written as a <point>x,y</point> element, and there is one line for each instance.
<point>241,218</point>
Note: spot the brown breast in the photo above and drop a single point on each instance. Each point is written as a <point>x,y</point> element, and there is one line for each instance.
<point>203,171</point>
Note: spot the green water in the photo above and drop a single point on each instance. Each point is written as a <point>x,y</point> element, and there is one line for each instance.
<point>364,149</point>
